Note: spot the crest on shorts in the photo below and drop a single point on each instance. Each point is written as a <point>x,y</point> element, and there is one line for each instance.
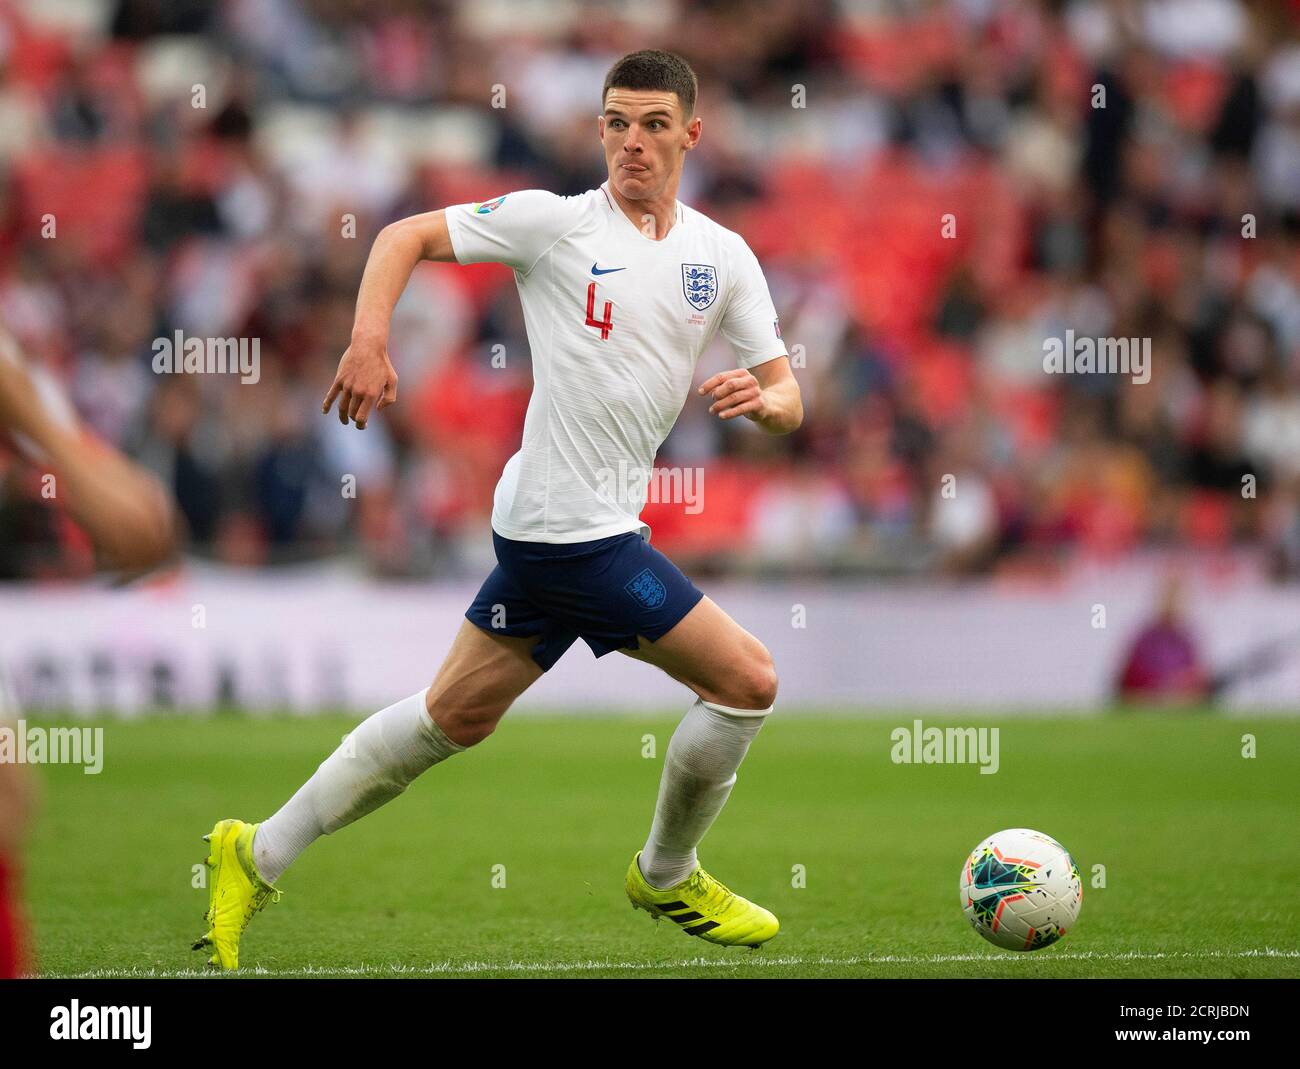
<point>647,589</point>
<point>700,284</point>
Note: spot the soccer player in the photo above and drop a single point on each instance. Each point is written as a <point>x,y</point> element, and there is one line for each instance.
<point>127,515</point>
<point>622,288</point>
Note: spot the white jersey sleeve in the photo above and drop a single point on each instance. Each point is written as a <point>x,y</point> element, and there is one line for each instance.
<point>514,229</point>
<point>749,320</point>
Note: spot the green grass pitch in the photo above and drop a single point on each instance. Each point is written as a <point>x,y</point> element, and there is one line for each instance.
<point>1198,845</point>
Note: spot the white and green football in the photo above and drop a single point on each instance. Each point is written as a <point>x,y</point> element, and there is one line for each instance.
<point>1021,890</point>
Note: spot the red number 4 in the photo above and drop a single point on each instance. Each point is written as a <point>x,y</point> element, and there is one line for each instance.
<point>606,324</point>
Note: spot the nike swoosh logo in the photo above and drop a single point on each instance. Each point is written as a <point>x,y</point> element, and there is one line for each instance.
<point>605,270</point>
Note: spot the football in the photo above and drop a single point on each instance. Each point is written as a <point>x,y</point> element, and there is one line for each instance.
<point>1021,890</point>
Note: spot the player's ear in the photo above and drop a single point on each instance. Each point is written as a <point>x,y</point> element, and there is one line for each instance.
<point>693,130</point>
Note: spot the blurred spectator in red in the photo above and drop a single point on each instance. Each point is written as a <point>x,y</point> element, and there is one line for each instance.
<point>1164,665</point>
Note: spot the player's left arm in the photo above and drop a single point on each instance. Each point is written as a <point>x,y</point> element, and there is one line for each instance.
<point>767,393</point>
<point>762,387</point>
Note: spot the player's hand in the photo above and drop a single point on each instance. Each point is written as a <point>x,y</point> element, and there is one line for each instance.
<point>365,379</point>
<point>735,393</point>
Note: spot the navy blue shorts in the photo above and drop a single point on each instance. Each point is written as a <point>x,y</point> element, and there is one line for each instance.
<point>605,592</point>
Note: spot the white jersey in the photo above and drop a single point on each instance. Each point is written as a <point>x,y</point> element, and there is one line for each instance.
<point>616,322</point>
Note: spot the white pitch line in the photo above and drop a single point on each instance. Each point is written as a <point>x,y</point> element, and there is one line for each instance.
<point>474,967</point>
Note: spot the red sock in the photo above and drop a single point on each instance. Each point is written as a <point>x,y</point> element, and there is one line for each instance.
<point>12,934</point>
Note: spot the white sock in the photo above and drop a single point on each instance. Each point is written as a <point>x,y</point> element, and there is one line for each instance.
<point>699,772</point>
<point>375,764</point>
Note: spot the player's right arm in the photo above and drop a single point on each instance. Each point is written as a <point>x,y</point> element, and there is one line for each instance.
<point>515,229</point>
<point>366,377</point>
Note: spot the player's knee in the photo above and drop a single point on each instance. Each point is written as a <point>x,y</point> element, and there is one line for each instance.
<point>465,725</point>
<point>466,730</point>
<point>764,683</point>
<point>755,685</point>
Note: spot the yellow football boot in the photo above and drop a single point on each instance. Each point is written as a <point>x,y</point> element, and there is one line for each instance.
<point>702,906</point>
<point>235,890</point>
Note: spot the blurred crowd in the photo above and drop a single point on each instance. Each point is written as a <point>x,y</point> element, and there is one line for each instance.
<point>934,190</point>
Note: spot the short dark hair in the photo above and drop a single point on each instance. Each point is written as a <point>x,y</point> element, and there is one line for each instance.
<point>653,68</point>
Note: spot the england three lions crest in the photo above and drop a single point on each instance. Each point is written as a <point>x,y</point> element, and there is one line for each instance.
<point>700,284</point>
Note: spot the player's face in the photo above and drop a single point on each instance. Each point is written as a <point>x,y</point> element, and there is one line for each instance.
<point>646,138</point>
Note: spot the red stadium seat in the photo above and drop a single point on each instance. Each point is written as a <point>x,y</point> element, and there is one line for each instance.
<point>94,194</point>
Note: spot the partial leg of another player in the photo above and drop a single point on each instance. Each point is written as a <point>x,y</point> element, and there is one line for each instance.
<point>18,797</point>
<point>734,679</point>
<point>481,677</point>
